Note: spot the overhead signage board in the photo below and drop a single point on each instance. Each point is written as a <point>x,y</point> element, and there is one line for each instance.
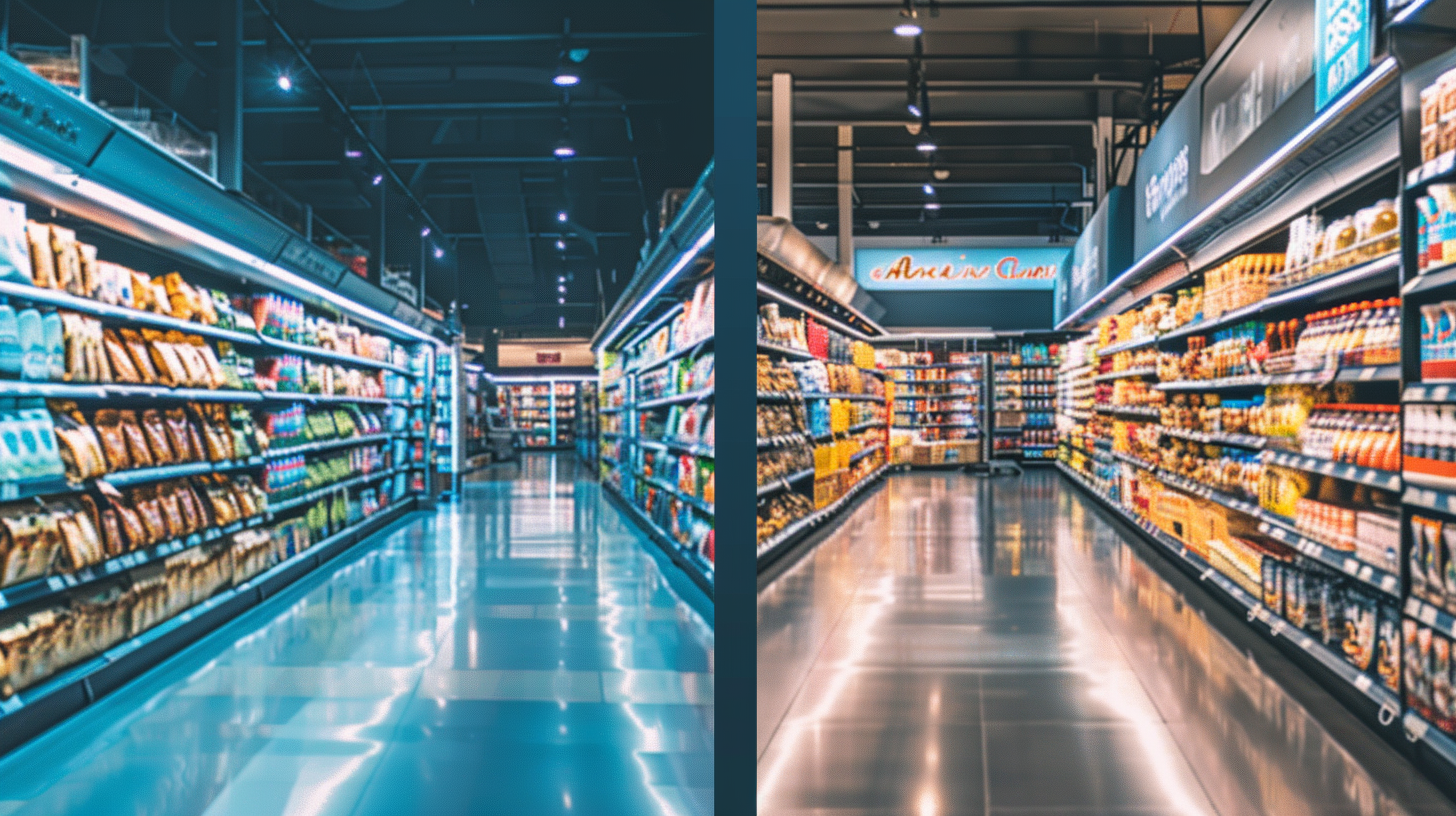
<point>1166,192</point>
<point>958,268</point>
<point>1269,62</point>
<point>1103,251</point>
<point>1342,38</point>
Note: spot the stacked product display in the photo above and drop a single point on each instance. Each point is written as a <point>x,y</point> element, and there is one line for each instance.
<point>586,431</point>
<point>475,417</point>
<point>543,414</point>
<point>936,405</point>
<point>166,442</point>
<point>823,418</point>
<point>1256,418</point>
<point>656,426</point>
<point>1023,404</point>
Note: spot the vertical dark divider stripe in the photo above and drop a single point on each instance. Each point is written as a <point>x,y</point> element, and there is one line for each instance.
<point>735,202</point>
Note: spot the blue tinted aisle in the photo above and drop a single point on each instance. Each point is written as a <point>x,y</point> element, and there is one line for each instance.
<point>964,646</point>
<point>515,653</point>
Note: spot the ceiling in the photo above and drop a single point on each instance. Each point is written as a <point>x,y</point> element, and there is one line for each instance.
<point>458,97</point>
<point>1015,90</point>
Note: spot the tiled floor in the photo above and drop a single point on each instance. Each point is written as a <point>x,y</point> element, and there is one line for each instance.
<point>993,646</point>
<point>515,653</point>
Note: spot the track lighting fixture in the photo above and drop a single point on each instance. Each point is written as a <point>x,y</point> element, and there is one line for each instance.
<point>909,25</point>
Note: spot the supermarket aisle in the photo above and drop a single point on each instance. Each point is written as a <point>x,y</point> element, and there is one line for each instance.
<point>514,653</point>
<point>937,657</point>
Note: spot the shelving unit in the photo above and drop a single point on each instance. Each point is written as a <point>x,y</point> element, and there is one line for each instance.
<point>823,404</point>
<point>586,430</point>
<point>653,439</point>
<point>1282,446</point>
<point>276,423</point>
<point>542,413</point>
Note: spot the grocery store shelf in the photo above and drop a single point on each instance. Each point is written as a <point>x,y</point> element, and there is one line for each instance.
<point>326,444</point>
<point>779,396</point>
<point>1383,479</point>
<point>1358,277</point>
<point>782,440</point>
<point>685,351</point>
<point>690,448</point>
<point>1436,277</point>
<point>48,587</point>
<point>939,395</point>
<point>797,354</point>
<point>1431,170</point>
<point>677,399</point>
<point>32,711</point>
<point>1429,391</point>
<point>933,365</point>
<point>939,424</point>
<point>1147,371</point>
<point>616,410</point>
<point>1274,626</point>
<point>1430,498</point>
<point>1377,373</point>
<point>963,410</point>
<point>691,501</point>
<point>325,354</point>
<point>326,490</point>
<point>1222,383</point>
<point>1128,345</point>
<point>779,543</point>
<point>865,452</point>
<point>1235,439</point>
<point>288,396</point>
<point>1332,557</point>
<point>848,397</point>
<point>697,569</point>
<point>1129,410</point>
<point>783,484</point>
<point>864,426</point>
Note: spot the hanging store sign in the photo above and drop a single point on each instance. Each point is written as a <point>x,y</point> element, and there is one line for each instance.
<point>1342,37</point>
<point>1103,251</point>
<point>1271,60</point>
<point>958,268</point>
<point>1165,188</point>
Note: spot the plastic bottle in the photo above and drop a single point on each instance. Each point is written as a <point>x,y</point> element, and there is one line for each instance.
<point>33,365</point>
<point>55,346</point>
<point>10,352</point>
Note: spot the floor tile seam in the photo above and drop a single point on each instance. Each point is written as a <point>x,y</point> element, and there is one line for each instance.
<point>985,746</point>
<point>828,635</point>
<point>1127,659</point>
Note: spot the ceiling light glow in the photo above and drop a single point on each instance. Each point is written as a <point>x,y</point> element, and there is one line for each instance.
<point>285,82</point>
<point>909,28</point>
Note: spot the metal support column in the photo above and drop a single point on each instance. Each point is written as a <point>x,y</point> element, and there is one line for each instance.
<point>781,167</point>
<point>230,95</point>
<point>1104,136</point>
<point>846,197</point>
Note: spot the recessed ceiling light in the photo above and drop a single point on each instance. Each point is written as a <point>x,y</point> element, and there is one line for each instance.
<point>285,82</point>
<point>909,28</point>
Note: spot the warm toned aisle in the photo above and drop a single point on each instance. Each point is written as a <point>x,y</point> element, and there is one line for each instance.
<point>964,646</point>
<point>514,653</point>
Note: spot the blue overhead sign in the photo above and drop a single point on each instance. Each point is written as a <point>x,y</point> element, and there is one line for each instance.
<point>1342,46</point>
<point>922,268</point>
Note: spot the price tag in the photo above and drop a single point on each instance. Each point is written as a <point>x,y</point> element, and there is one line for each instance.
<point>1415,727</point>
<point>1439,393</point>
<point>11,704</point>
<point>1276,627</point>
<point>1305,642</point>
<point>1412,607</point>
<point>3,602</point>
<point>1367,374</point>
<point>1428,615</point>
<point>1413,177</point>
<point>55,584</point>
<point>1389,583</point>
<point>1328,468</point>
<point>1363,682</point>
<point>69,579</point>
<point>1444,162</point>
<point>1367,574</point>
<point>1350,566</point>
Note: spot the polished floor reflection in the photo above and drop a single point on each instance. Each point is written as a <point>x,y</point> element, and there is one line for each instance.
<point>993,646</point>
<point>517,652</point>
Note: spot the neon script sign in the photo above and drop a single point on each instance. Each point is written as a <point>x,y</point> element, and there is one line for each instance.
<point>959,268</point>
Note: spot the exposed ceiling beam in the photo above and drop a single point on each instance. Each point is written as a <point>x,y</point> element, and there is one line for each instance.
<point>854,85</point>
<point>981,5</point>
<point>451,160</point>
<point>550,107</point>
<point>443,39</point>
